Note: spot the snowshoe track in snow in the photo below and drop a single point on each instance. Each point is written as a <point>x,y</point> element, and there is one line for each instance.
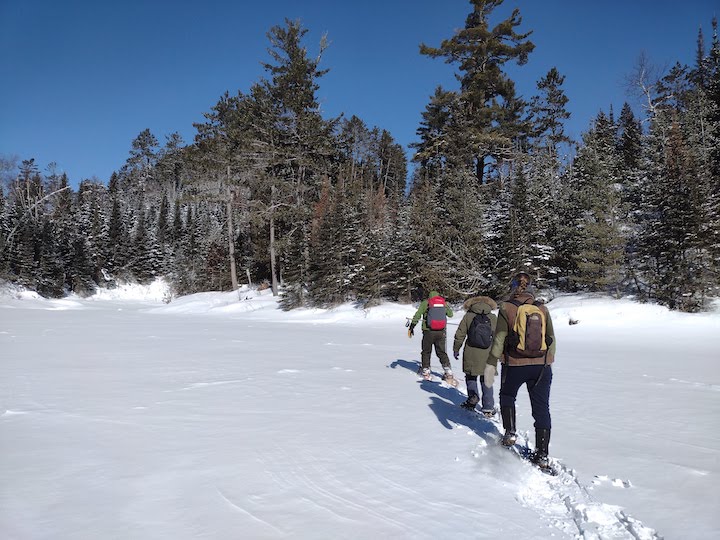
<point>561,499</point>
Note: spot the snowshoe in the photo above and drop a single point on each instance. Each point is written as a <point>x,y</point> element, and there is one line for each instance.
<point>542,462</point>
<point>449,379</point>
<point>488,413</point>
<point>509,439</point>
<point>468,405</point>
<point>426,374</point>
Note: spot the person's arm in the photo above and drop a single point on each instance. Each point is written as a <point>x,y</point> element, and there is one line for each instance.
<point>501,332</point>
<point>460,334</point>
<point>550,332</point>
<point>448,310</point>
<point>420,312</point>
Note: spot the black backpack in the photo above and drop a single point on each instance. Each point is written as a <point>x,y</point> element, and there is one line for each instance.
<point>480,334</point>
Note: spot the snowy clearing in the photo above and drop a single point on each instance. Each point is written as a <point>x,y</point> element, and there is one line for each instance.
<point>219,416</point>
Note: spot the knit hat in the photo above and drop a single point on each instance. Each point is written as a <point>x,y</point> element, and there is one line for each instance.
<point>521,283</point>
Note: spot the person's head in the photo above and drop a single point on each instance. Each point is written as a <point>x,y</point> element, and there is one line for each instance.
<point>520,283</point>
<point>433,292</point>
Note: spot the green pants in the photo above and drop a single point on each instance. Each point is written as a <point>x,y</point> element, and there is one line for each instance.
<point>439,339</point>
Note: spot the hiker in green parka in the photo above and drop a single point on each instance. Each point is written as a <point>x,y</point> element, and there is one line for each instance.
<point>475,360</point>
<point>438,338</point>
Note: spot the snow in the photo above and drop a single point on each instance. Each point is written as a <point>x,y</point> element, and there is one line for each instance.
<point>219,416</point>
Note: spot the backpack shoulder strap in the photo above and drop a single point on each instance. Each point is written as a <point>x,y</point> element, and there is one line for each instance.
<point>511,313</point>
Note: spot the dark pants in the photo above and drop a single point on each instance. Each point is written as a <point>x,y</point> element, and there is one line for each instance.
<point>513,377</point>
<point>439,339</point>
<point>488,401</point>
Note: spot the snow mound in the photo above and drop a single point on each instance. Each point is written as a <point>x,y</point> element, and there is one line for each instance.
<point>157,291</point>
<point>262,304</point>
<point>17,292</point>
<point>243,300</point>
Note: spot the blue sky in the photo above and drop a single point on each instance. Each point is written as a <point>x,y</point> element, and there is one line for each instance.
<point>81,79</point>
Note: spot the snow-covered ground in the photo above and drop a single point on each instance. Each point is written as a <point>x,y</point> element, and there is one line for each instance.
<point>219,416</point>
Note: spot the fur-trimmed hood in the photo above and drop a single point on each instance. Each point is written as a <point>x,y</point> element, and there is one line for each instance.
<point>480,304</point>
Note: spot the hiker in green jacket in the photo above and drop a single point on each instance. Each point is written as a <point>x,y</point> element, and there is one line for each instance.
<point>434,312</point>
<point>532,369</point>
<point>475,355</point>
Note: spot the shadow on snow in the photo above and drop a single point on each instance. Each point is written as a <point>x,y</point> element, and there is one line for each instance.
<point>445,403</point>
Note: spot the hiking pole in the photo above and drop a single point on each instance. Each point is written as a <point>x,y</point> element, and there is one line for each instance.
<point>408,325</point>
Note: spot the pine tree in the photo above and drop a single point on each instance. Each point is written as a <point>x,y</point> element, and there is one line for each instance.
<point>397,271</point>
<point>4,232</point>
<point>426,217</point>
<point>64,227</point>
<point>670,239</point>
<point>139,169</point>
<point>601,257</point>
<point>487,95</point>
<point>711,228</point>
<point>147,259</point>
<point>50,275</point>
<point>548,113</point>
<point>701,127</point>
<point>435,132</point>
<point>301,144</point>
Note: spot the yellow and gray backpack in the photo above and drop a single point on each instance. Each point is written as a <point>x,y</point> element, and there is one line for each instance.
<point>527,330</point>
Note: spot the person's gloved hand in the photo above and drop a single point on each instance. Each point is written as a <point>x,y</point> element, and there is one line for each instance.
<point>456,354</point>
<point>489,375</point>
<point>411,331</point>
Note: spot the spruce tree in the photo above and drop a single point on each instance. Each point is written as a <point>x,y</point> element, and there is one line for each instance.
<point>301,144</point>
<point>548,113</point>
<point>601,257</point>
<point>487,94</point>
<point>670,240</point>
<point>4,232</point>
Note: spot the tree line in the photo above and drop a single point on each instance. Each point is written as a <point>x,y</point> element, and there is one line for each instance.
<point>330,210</point>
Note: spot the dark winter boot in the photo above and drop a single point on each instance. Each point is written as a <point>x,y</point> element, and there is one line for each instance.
<point>470,402</point>
<point>508,419</point>
<point>542,442</point>
<point>472,391</point>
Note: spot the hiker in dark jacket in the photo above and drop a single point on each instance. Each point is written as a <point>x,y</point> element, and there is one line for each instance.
<point>535,372</point>
<point>475,359</point>
<point>430,338</point>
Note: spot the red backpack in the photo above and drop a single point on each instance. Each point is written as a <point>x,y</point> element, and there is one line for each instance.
<point>436,313</point>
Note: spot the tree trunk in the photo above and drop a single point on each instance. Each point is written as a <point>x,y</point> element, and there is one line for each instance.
<point>231,234</point>
<point>273,273</point>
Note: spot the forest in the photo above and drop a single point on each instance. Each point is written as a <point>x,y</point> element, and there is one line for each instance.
<point>332,210</point>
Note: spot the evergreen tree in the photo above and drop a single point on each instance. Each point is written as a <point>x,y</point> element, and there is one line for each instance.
<point>435,132</point>
<point>301,145</point>
<point>548,113</point>
<point>601,256</point>
<point>50,275</point>
<point>670,239</point>
<point>64,227</point>
<point>426,217</point>
<point>487,95</point>
<point>397,271</point>
<point>146,262</point>
<point>711,130</point>
<point>139,169</point>
<point>630,174</point>
<point>4,232</point>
